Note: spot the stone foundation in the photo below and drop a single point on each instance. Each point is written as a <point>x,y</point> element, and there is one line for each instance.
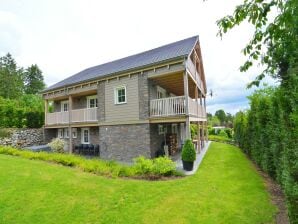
<point>24,137</point>
<point>124,142</point>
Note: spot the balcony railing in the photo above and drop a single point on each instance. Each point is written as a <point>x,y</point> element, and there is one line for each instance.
<point>84,115</point>
<point>80,115</point>
<point>173,106</point>
<point>57,118</point>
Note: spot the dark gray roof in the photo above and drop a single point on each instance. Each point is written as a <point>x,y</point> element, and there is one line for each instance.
<point>156,55</point>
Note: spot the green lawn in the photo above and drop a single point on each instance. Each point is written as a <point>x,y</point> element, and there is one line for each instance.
<point>226,189</point>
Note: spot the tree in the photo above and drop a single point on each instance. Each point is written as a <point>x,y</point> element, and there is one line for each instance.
<point>274,43</point>
<point>34,82</point>
<point>215,121</point>
<point>271,128</point>
<point>221,116</point>
<point>11,85</point>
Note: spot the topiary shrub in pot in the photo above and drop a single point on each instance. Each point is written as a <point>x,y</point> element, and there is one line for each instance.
<point>188,155</point>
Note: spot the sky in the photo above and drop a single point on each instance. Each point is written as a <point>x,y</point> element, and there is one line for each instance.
<point>65,37</point>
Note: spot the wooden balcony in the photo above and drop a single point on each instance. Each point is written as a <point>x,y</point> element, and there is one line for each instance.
<point>80,115</point>
<point>176,106</point>
<point>84,115</point>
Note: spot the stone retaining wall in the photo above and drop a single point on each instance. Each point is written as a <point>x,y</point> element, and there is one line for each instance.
<point>23,137</point>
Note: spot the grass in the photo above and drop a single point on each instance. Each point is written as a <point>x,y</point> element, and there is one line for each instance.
<point>226,189</point>
<point>218,138</point>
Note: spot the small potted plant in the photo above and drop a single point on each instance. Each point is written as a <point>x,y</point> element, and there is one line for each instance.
<point>188,155</point>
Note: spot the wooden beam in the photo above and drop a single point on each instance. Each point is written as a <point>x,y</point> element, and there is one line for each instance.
<point>186,94</point>
<point>70,147</point>
<point>46,110</point>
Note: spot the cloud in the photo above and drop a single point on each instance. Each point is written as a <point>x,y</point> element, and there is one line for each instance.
<point>65,37</point>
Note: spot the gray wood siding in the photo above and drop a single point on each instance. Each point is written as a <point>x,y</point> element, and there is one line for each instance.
<point>79,103</point>
<point>122,112</point>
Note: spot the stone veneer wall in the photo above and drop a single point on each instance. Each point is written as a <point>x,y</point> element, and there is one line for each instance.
<point>124,142</point>
<point>24,137</point>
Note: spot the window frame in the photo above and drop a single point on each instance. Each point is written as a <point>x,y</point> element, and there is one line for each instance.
<point>116,96</point>
<point>160,93</point>
<point>161,129</point>
<point>62,105</point>
<point>82,135</point>
<point>74,132</point>
<point>66,133</point>
<point>60,133</point>
<point>88,101</point>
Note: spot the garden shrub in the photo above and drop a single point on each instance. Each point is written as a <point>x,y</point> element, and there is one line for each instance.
<point>142,168</point>
<point>223,133</point>
<point>57,145</point>
<point>188,151</point>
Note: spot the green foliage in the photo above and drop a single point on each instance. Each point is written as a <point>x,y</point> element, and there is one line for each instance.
<point>57,145</point>
<point>161,166</point>
<point>274,43</point>
<point>218,138</point>
<point>34,119</point>
<point>223,133</point>
<point>11,85</point>
<point>27,111</point>
<point>142,168</point>
<point>4,133</point>
<point>214,121</point>
<point>188,151</point>
<point>221,116</point>
<point>193,130</point>
<point>47,193</point>
<point>268,133</point>
<point>34,82</point>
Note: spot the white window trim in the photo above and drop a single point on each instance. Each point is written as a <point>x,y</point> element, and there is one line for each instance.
<point>161,129</point>
<point>74,130</point>
<point>162,91</point>
<point>62,105</point>
<point>60,133</point>
<point>116,94</point>
<point>82,136</point>
<point>66,132</point>
<point>88,100</point>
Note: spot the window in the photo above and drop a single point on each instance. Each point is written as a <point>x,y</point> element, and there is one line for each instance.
<point>64,106</point>
<point>85,136</point>
<point>92,102</point>
<point>161,129</point>
<point>66,133</point>
<point>120,95</point>
<point>161,92</point>
<point>60,133</point>
<point>174,129</point>
<point>74,133</point>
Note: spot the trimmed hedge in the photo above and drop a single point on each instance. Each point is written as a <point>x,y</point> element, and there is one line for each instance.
<point>268,133</point>
<point>142,168</point>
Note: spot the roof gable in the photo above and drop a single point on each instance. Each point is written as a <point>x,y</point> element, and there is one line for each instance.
<point>170,51</point>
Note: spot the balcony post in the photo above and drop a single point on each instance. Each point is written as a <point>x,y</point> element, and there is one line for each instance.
<point>186,95</point>
<point>46,111</point>
<point>69,123</point>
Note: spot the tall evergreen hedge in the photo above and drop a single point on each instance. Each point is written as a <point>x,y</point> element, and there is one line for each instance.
<point>268,133</point>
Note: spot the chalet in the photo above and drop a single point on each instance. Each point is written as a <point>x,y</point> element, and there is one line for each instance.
<point>137,105</point>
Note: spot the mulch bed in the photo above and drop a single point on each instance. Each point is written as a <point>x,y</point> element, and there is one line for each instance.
<point>277,197</point>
